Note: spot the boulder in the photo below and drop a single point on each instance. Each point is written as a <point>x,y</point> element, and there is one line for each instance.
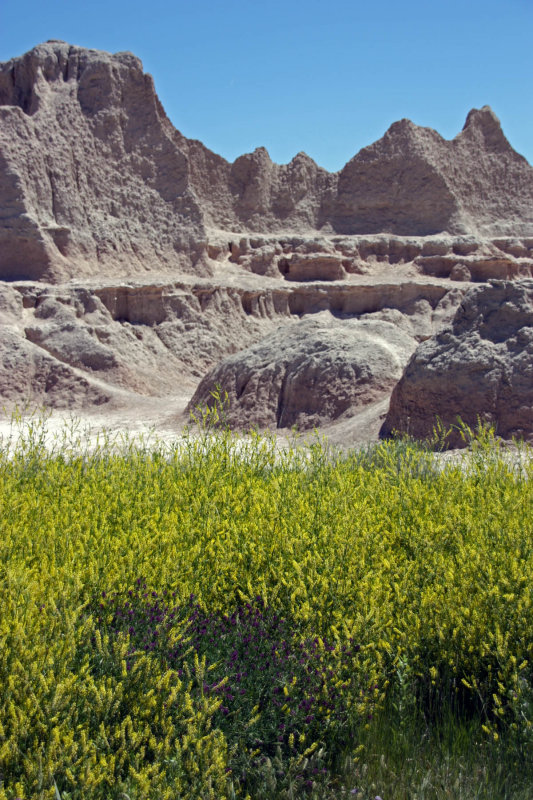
<point>479,369</point>
<point>309,373</point>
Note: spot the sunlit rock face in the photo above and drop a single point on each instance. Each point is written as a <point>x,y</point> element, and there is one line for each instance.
<point>91,179</point>
<point>310,374</point>
<point>478,369</point>
<point>94,178</point>
<point>134,262</point>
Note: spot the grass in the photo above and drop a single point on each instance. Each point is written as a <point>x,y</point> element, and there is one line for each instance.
<point>222,618</point>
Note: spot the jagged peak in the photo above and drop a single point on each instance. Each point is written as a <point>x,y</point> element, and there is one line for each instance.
<point>302,156</point>
<point>401,126</point>
<point>405,128</point>
<point>56,61</point>
<point>402,136</point>
<point>260,154</point>
<point>483,121</point>
<point>483,117</point>
<point>56,52</point>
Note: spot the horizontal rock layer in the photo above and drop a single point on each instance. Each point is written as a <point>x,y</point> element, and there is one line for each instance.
<point>134,262</point>
<point>129,339</point>
<point>95,180</point>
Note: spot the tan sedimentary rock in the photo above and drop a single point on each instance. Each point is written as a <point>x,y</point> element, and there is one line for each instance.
<point>95,179</point>
<point>134,260</point>
<point>480,368</point>
<point>414,182</point>
<point>91,180</point>
<point>309,373</point>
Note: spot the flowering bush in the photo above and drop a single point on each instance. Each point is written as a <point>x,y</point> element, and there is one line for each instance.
<point>324,589</point>
<point>277,693</point>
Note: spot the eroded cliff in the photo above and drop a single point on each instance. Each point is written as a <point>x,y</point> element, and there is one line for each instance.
<point>135,261</point>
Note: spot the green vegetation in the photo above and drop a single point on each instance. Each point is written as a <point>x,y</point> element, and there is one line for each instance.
<point>226,619</point>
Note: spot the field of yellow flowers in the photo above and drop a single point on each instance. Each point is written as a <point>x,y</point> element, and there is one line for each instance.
<point>227,619</point>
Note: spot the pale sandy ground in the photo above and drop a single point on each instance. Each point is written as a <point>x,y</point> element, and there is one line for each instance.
<point>163,420</point>
<point>149,418</point>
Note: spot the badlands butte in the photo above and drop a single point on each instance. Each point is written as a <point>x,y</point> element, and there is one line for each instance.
<point>138,270</point>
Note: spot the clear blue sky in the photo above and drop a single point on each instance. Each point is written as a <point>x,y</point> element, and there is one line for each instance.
<point>326,76</point>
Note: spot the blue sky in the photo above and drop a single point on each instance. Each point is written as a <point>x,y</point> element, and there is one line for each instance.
<point>326,77</point>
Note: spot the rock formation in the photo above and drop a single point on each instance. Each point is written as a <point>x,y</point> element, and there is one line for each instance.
<point>134,261</point>
<point>91,180</point>
<point>309,374</point>
<point>480,369</point>
<point>95,179</point>
<point>414,182</point>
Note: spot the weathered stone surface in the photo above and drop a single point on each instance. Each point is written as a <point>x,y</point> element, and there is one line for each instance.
<point>414,182</point>
<point>161,338</point>
<point>309,373</point>
<point>313,267</point>
<point>94,180</point>
<point>480,368</point>
<point>333,258</point>
<point>91,179</point>
<point>129,339</point>
<point>133,260</point>
<point>28,373</point>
